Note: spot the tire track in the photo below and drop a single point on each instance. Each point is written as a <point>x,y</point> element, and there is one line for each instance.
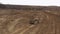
<point>13,24</point>
<point>36,29</point>
<point>43,28</point>
<point>20,29</point>
<point>26,29</point>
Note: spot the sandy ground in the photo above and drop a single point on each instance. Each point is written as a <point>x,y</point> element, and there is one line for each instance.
<point>18,22</point>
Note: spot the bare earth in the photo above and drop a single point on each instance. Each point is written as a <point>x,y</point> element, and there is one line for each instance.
<point>18,22</point>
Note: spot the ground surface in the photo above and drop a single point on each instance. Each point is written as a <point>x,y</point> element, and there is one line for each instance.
<point>18,22</point>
